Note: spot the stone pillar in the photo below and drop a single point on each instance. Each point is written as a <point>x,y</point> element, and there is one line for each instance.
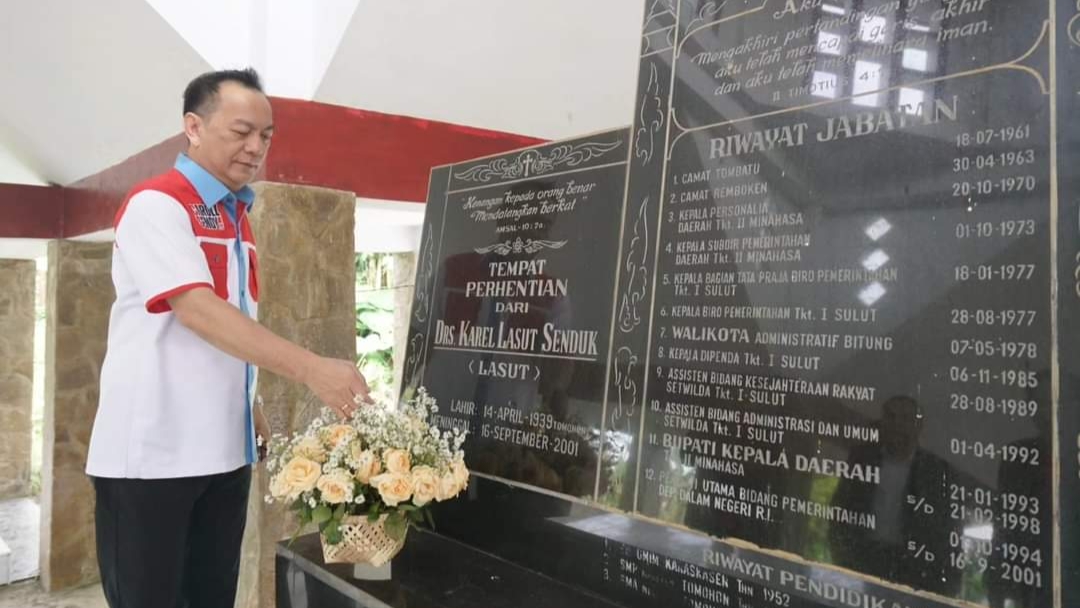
<point>80,295</point>
<point>404,283</point>
<point>307,282</point>
<point>16,375</point>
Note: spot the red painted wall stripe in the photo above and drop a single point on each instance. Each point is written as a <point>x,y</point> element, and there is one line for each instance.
<point>31,212</point>
<point>91,203</point>
<point>374,155</point>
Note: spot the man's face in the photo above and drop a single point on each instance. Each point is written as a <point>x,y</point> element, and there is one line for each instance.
<point>232,140</point>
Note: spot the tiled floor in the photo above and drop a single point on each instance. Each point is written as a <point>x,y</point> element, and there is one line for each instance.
<point>29,594</point>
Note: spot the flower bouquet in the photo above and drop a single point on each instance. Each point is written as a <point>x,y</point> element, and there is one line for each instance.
<point>366,480</point>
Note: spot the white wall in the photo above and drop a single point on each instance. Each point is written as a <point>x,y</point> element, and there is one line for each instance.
<point>388,226</point>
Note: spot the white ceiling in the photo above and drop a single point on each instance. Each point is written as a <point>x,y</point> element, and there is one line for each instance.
<point>88,84</point>
<point>290,42</point>
<point>99,81</point>
<point>546,68</point>
<point>15,170</point>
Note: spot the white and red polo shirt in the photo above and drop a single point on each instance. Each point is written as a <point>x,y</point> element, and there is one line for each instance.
<point>171,404</point>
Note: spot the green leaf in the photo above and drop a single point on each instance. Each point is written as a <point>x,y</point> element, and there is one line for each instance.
<point>395,526</point>
<point>430,519</point>
<point>305,515</point>
<point>407,507</point>
<point>322,514</point>
<point>332,533</point>
<point>373,512</point>
<point>416,516</point>
<point>339,513</point>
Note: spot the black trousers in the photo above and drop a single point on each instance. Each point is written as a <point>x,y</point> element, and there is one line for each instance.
<point>171,543</point>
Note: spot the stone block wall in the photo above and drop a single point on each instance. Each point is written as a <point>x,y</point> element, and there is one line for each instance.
<point>16,375</point>
<point>307,282</point>
<point>80,296</point>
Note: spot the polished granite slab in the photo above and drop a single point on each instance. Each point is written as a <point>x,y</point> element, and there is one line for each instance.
<point>800,336</point>
<point>430,572</point>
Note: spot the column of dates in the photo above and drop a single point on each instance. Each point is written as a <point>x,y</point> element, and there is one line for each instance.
<point>998,345</point>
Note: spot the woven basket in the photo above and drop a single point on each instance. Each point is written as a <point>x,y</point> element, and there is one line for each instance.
<point>362,542</point>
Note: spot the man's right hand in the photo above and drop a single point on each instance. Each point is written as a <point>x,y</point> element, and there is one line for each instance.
<point>338,384</point>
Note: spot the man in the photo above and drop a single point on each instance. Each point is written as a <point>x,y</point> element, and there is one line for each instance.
<point>176,431</point>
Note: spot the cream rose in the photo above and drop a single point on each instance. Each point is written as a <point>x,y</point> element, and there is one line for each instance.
<point>425,485</point>
<point>367,466</point>
<point>397,461</point>
<point>301,474</point>
<point>336,487</point>
<point>279,488</point>
<point>356,449</point>
<point>394,488</point>
<point>338,434</point>
<point>310,448</point>
<point>448,487</point>
<point>461,473</point>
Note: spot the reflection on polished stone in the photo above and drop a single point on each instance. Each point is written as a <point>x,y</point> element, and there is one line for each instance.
<point>430,572</point>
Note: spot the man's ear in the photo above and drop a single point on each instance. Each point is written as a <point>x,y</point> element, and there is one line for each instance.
<point>193,128</point>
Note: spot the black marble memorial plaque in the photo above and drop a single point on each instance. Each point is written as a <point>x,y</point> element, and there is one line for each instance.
<point>516,328</point>
<point>821,303</point>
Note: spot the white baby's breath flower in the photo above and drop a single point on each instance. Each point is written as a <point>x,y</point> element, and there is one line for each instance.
<point>338,434</point>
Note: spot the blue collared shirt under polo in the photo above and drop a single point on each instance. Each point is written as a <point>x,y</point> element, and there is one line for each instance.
<point>213,192</point>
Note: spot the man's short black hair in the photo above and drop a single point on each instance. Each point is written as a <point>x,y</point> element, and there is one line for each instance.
<point>200,95</point>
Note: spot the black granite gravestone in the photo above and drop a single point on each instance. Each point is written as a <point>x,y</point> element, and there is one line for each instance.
<point>806,334</point>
